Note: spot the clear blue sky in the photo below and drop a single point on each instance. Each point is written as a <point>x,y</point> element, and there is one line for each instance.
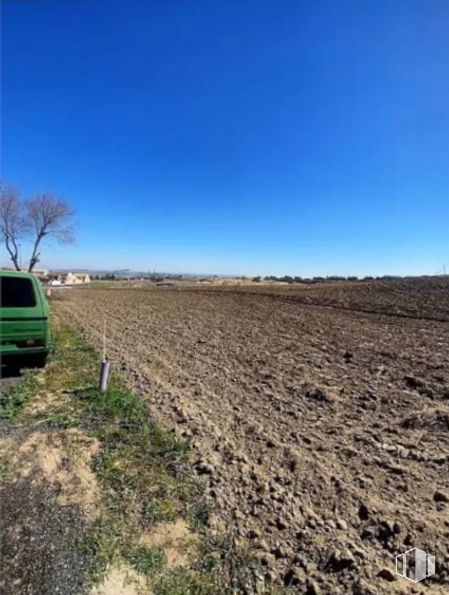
<point>244,136</point>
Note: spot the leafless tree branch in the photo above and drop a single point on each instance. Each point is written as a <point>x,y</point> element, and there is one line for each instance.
<point>47,215</point>
<point>11,222</point>
<point>43,215</point>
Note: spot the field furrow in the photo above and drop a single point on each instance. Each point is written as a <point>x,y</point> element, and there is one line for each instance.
<point>322,434</point>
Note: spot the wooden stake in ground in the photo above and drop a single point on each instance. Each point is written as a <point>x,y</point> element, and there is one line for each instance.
<point>104,372</point>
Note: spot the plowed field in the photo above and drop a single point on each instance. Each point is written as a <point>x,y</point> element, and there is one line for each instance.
<point>319,417</point>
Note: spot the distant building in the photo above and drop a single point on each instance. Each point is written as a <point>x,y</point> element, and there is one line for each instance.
<point>55,280</point>
<point>76,278</point>
<point>42,274</point>
<point>69,279</point>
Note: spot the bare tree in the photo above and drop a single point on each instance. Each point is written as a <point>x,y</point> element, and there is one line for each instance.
<point>42,216</point>
<point>46,215</point>
<point>12,223</point>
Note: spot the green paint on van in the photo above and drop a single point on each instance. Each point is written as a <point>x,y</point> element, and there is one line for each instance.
<point>24,319</point>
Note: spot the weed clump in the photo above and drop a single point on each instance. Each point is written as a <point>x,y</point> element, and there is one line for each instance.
<point>13,401</point>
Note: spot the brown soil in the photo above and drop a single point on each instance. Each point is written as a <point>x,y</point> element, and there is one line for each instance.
<point>175,539</point>
<point>121,581</point>
<point>62,458</point>
<point>319,416</point>
<point>47,499</point>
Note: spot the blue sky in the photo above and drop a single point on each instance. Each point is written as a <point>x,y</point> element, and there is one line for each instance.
<point>249,137</point>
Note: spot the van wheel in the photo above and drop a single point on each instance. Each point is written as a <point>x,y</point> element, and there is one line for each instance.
<point>37,361</point>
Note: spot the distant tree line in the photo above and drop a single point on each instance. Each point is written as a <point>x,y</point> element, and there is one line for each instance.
<point>155,277</point>
<point>297,279</point>
<point>103,277</point>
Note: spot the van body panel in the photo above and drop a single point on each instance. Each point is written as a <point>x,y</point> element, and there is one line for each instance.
<point>24,315</point>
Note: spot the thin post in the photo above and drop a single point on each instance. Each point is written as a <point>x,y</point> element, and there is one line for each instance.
<point>104,340</point>
<point>104,372</point>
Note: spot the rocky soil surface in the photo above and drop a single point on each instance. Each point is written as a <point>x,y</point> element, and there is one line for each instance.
<point>321,430</point>
<point>8,379</point>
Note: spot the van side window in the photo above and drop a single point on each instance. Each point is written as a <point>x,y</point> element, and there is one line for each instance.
<point>16,293</point>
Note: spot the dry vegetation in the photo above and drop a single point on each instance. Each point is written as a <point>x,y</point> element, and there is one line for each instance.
<point>319,416</point>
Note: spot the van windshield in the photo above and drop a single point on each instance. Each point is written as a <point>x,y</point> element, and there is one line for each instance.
<point>16,292</point>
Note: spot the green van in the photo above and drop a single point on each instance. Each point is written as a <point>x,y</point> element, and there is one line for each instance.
<point>24,320</point>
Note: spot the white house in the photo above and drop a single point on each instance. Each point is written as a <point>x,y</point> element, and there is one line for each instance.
<point>69,279</point>
<point>76,278</point>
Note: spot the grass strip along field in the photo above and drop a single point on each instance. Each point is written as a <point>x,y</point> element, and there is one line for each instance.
<point>97,498</point>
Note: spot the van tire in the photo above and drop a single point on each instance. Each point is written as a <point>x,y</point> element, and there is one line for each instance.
<point>37,361</point>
